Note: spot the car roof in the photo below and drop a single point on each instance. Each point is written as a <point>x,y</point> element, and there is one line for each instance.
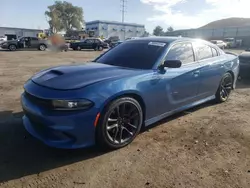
<point>171,39</point>
<point>167,39</point>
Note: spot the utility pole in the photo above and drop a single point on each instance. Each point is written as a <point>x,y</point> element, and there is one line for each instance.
<point>123,6</point>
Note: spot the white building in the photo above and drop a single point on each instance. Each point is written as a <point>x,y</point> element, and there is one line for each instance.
<point>13,33</point>
<point>110,28</point>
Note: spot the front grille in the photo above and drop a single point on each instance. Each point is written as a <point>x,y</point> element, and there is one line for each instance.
<point>38,101</point>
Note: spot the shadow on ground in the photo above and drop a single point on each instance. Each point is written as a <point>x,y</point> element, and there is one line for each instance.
<point>23,155</point>
<point>243,83</point>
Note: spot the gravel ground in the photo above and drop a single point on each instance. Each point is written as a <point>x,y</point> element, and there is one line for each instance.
<point>207,146</point>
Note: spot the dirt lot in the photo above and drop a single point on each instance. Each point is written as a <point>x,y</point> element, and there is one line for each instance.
<point>208,146</point>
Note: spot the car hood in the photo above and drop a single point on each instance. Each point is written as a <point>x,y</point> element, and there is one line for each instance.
<point>78,76</point>
<point>11,41</point>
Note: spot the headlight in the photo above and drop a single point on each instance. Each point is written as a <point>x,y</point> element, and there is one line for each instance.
<point>81,104</point>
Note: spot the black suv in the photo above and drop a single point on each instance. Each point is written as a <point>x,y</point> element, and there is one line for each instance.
<point>91,43</point>
<point>25,42</point>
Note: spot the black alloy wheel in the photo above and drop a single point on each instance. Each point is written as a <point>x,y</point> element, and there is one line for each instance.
<point>225,88</point>
<point>120,124</point>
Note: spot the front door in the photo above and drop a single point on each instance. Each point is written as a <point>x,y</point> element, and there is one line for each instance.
<point>182,83</point>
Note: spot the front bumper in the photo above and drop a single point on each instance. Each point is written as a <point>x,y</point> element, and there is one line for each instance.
<point>60,129</point>
<point>4,46</point>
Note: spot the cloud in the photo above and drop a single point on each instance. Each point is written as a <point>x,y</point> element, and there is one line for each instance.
<point>230,8</point>
<point>167,14</point>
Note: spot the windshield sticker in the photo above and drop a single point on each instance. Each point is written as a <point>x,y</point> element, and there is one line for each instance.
<point>161,44</point>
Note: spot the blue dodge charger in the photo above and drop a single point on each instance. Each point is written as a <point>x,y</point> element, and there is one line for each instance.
<point>137,83</point>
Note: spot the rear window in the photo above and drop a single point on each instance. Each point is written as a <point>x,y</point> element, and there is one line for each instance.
<point>134,54</point>
<point>203,51</point>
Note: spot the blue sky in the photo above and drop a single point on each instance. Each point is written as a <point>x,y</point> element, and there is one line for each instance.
<point>179,14</point>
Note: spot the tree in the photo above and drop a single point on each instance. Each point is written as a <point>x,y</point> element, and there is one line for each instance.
<point>52,16</point>
<point>146,34</point>
<point>64,16</point>
<point>170,29</point>
<point>158,31</point>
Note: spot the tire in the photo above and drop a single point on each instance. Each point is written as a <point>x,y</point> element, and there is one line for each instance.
<point>12,47</point>
<point>79,48</point>
<point>100,48</point>
<point>74,49</point>
<point>42,47</point>
<point>225,88</point>
<point>119,124</point>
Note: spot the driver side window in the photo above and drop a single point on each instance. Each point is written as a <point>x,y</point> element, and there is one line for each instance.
<point>183,52</point>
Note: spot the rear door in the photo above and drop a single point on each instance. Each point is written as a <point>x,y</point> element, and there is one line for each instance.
<point>96,43</point>
<point>211,68</point>
<point>89,43</point>
<point>34,42</point>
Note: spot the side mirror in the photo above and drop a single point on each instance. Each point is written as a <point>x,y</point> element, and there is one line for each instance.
<point>172,64</point>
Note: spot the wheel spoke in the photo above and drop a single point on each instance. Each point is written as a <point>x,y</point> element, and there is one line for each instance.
<point>123,109</point>
<point>131,110</point>
<point>112,126</point>
<point>120,138</point>
<point>225,93</point>
<point>128,131</point>
<point>228,86</point>
<point>118,111</point>
<point>131,125</point>
<point>133,116</point>
<point>112,120</point>
<point>116,132</point>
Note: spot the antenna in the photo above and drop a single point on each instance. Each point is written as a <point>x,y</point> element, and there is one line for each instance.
<point>123,6</point>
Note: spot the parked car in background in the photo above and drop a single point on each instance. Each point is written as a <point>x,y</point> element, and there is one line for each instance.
<point>112,39</point>
<point>24,43</point>
<point>91,43</point>
<point>244,58</point>
<point>132,38</point>
<point>220,43</point>
<point>114,44</point>
<point>108,100</point>
<point>3,39</point>
<point>233,43</point>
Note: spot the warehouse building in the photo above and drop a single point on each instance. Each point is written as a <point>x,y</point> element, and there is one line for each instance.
<point>108,29</point>
<point>237,33</point>
<point>229,28</point>
<point>13,33</point>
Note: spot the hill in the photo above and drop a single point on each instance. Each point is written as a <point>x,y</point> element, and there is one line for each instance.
<point>229,22</point>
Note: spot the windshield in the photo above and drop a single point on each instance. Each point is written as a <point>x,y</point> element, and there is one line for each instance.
<point>134,54</point>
